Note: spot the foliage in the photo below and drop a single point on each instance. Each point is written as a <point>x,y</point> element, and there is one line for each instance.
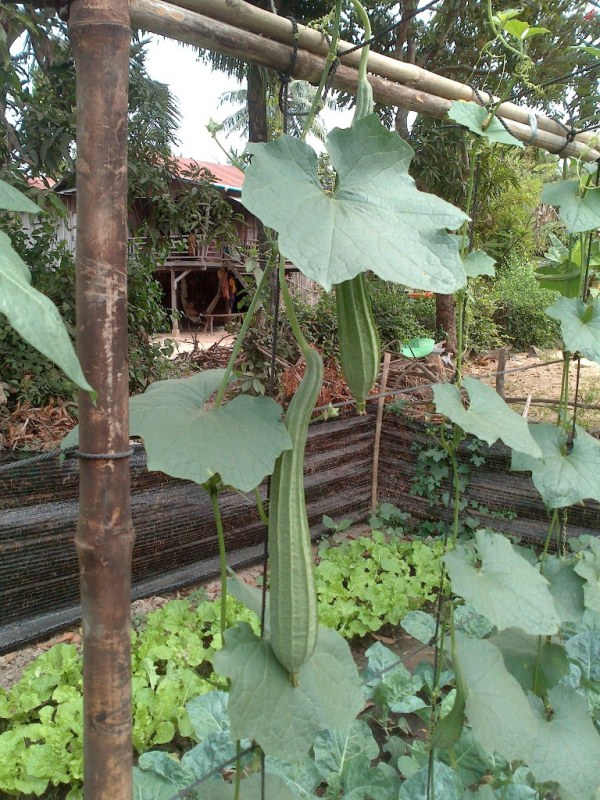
<point>366,583</point>
<point>172,654</point>
<point>334,238</point>
<point>511,310</point>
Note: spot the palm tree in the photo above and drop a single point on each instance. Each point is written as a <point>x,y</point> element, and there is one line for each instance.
<point>300,96</point>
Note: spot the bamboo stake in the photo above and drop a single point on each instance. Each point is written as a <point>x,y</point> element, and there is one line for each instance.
<point>168,20</point>
<point>380,405</point>
<point>101,36</point>
<point>241,14</point>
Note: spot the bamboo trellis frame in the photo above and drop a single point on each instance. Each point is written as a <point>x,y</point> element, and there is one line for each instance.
<point>233,28</point>
<point>100,31</point>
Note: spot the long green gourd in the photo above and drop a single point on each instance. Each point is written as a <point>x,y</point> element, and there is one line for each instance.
<point>360,350</point>
<point>293,614</point>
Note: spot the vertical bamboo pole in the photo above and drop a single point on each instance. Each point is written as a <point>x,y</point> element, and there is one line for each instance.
<point>100,34</point>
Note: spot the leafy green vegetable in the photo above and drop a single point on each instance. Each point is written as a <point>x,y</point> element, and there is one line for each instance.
<point>368,582</point>
<point>375,210</point>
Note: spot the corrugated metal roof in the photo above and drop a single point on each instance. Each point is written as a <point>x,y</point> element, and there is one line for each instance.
<point>227,177</point>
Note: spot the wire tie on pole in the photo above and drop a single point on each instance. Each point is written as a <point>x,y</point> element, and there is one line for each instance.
<point>533,124</point>
<point>103,456</point>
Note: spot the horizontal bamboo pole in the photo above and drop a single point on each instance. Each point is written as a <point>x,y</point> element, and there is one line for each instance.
<point>241,14</point>
<point>168,20</point>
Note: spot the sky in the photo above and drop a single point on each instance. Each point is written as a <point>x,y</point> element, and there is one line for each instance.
<point>198,89</point>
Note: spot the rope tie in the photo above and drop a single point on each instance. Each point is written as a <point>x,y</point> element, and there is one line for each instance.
<point>103,456</point>
<point>533,124</point>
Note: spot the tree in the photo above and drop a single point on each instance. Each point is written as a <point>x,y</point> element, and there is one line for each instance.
<point>454,39</point>
<point>301,95</point>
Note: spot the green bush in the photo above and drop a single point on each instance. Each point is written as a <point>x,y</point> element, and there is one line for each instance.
<point>29,375</point>
<point>520,308</point>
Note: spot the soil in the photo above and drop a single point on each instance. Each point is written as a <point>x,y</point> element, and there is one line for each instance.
<point>539,375</point>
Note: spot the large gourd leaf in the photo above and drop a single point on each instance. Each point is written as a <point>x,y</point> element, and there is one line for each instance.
<point>263,704</point>
<point>588,568</point>
<point>578,213</point>
<point>521,652</point>
<point>566,748</point>
<point>477,262</point>
<point>496,706</point>
<point>376,218</point>
<point>473,116</point>
<point>488,416</point>
<point>566,587</point>
<point>562,478</point>
<point>506,589</point>
<point>186,440</point>
<point>579,325</point>
<point>33,315</point>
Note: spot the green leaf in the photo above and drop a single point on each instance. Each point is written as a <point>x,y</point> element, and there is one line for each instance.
<point>210,754</point>
<point>505,588</point>
<point>446,785</point>
<point>149,785</point>
<point>469,622</point>
<point>579,325</point>
<point>473,116</point>
<point>578,213</point>
<point>186,440</point>
<point>477,262</point>
<point>488,416</point>
<point>300,775</point>
<point>208,714</point>
<point>420,626</point>
<point>496,706</point>
<point>516,28</point>
<point>361,781</point>
<point>334,750</point>
<point>34,316</point>
<point>585,649</point>
<point>562,478</point>
<point>263,705</point>
<point>375,212</point>
<point>588,568</point>
<point>390,682</point>
<point>448,730</point>
<point>566,588</point>
<point>12,199</point>
<point>566,748</point>
<point>522,652</point>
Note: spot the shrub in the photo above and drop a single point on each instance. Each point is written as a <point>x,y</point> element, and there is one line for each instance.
<point>520,308</point>
<point>29,375</point>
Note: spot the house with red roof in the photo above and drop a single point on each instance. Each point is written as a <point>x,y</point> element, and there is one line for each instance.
<point>201,279</point>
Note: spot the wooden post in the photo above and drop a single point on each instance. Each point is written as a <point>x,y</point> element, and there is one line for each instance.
<point>101,35</point>
<point>380,405</point>
<point>174,317</point>
<point>502,359</point>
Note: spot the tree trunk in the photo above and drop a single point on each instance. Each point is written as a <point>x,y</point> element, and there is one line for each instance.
<point>445,319</point>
